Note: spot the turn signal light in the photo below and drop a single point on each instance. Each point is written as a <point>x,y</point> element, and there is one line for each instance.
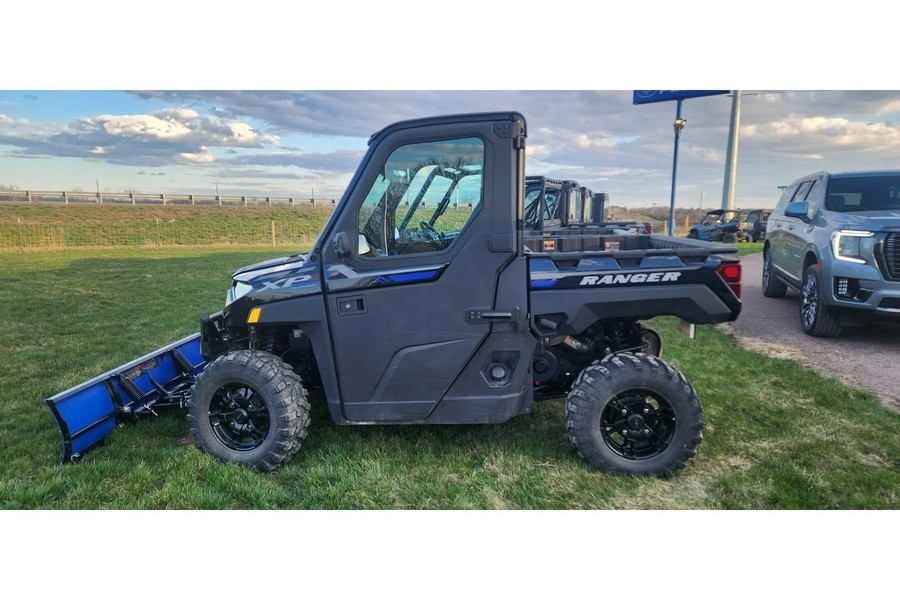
<point>731,275</point>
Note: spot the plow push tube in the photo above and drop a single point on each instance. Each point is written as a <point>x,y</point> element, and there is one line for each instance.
<point>88,412</point>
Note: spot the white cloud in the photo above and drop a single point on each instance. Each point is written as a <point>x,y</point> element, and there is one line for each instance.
<point>178,125</point>
<point>825,133</point>
<point>141,126</point>
<point>178,114</point>
<point>4,118</point>
<point>204,157</point>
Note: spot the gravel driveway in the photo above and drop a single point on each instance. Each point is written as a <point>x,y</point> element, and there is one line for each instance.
<point>866,358</point>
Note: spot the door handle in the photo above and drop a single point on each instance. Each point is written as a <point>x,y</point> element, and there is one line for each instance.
<point>497,315</point>
<point>351,305</point>
<point>481,315</point>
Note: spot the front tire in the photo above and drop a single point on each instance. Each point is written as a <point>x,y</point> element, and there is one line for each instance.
<point>249,407</point>
<point>816,318</point>
<point>634,414</point>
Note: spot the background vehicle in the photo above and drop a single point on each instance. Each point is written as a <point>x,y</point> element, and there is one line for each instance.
<point>753,225</point>
<point>836,239</point>
<point>408,311</point>
<point>552,205</point>
<point>719,225</point>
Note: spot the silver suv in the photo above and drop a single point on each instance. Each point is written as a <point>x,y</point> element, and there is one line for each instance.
<point>836,239</point>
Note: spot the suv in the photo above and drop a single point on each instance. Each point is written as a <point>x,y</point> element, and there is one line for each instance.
<point>836,239</point>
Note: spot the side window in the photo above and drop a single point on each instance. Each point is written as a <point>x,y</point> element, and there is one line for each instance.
<point>422,199</point>
<point>800,196</point>
<point>785,198</point>
<point>551,198</point>
<point>813,198</point>
<point>532,204</point>
<point>574,205</point>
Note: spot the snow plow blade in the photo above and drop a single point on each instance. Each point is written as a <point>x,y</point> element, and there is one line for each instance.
<point>88,412</point>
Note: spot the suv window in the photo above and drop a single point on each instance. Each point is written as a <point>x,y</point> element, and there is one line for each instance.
<point>800,196</point>
<point>786,196</point>
<point>812,198</point>
<point>423,198</point>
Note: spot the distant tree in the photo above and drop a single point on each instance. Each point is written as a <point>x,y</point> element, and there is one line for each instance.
<point>8,188</point>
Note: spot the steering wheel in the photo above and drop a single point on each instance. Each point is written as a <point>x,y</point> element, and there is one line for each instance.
<point>430,232</point>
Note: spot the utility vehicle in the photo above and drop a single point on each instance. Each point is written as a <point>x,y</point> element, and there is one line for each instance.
<point>552,204</point>
<point>420,303</point>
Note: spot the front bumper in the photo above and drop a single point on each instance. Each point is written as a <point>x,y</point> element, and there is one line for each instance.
<point>861,288</point>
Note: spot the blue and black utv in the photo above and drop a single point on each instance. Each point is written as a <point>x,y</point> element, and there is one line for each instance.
<point>421,302</point>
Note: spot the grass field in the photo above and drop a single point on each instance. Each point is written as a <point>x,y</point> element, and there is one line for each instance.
<point>777,435</point>
<point>38,228</point>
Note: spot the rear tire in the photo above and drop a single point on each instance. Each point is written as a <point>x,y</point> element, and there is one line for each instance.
<point>729,238</point>
<point>771,285</point>
<point>634,414</point>
<point>816,318</point>
<point>249,407</point>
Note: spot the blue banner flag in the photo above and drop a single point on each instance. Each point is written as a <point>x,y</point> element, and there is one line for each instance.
<point>648,96</point>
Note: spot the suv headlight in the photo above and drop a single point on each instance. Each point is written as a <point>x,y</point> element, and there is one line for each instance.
<point>853,246</point>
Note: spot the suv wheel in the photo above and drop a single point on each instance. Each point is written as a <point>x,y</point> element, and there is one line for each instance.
<point>816,318</point>
<point>772,286</point>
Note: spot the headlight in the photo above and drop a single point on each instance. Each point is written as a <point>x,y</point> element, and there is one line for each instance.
<point>237,290</point>
<point>853,246</point>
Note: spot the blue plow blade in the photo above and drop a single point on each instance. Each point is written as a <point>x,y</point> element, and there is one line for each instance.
<point>87,413</point>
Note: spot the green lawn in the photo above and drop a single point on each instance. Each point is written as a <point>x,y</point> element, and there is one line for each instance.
<point>777,435</point>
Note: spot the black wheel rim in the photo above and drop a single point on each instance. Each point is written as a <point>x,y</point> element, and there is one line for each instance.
<point>239,417</point>
<point>809,304</point>
<point>638,424</point>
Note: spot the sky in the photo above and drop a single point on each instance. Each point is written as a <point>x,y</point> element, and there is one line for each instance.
<point>304,143</point>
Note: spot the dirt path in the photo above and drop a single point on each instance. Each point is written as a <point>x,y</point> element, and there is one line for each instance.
<point>865,358</point>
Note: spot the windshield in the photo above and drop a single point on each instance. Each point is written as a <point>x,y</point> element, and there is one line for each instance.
<point>726,217</point>
<point>873,192</point>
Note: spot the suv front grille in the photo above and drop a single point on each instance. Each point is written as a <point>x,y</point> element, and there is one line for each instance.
<point>891,250</point>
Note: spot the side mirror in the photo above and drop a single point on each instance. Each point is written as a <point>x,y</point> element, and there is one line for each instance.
<point>797,210</point>
<point>341,245</point>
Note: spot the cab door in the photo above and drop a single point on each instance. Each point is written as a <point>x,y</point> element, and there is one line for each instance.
<point>424,275</point>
